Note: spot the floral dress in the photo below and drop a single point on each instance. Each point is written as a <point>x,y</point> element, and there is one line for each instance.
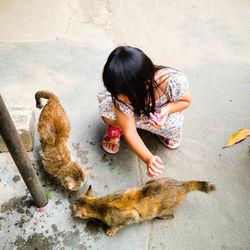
<point>177,86</point>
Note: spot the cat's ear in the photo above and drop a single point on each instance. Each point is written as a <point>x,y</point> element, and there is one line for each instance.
<point>68,183</point>
<point>84,171</point>
<point>89,192</point>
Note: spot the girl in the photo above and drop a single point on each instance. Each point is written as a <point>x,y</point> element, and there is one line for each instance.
<point>141,95</point>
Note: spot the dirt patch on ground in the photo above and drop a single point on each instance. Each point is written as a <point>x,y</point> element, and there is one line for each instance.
<point>17,204</point>
<point>16,178</point>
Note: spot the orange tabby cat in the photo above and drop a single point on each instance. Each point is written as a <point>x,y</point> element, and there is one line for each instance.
<point>156,199</point>
<point>54,129</point>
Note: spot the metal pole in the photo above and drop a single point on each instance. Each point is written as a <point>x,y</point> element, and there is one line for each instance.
<point>16,148</point>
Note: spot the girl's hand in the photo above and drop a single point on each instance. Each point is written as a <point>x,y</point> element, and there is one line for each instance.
<point>153,166</point>
<point>163,116</point>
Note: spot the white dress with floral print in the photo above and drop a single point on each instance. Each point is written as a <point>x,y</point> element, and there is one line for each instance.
<point>177,86</point>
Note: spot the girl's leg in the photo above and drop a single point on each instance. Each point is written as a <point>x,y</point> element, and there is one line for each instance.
<point>110,122</point>
<point>111,139</point>
<point>171,139</point>
<point>111,144</point>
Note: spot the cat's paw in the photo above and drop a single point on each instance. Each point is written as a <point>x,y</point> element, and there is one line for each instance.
<point>170,217</point>
<point>111,231</point>
<point>166,217</point>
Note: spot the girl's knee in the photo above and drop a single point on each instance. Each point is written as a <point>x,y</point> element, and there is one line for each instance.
<point>107,120</point>
<point>110,122</point>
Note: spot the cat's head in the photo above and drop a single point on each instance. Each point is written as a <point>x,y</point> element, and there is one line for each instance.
<point>74,177</point>
<point>82,207</point>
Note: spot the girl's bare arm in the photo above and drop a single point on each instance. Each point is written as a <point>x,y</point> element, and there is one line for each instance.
<point>128,126</point>
<point>182,104</point>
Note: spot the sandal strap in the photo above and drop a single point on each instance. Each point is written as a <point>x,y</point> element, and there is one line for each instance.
<point>113,132</point>
<point>109,140</point>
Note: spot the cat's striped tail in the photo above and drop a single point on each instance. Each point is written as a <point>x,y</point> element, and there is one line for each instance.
<point>202,186</point>
<point>43,94</point>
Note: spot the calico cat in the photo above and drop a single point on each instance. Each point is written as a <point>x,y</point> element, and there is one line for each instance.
<point>54,130</point>
<point>156,199</point>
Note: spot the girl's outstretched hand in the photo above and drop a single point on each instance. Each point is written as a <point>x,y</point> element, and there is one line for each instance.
<point>160,118</point>
<point>154,166</point>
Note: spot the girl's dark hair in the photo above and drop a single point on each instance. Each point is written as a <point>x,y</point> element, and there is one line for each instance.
<point>130,72</point>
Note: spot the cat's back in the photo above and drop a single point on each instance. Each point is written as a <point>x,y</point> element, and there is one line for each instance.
<point>53,122</point>
<point>53,112</point>
<point>150,193</point>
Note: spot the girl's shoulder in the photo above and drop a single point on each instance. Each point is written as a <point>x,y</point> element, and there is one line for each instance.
<point>172,83</point>
<point>167,75</point>
<point>163,76</point>
<point>167,72</point>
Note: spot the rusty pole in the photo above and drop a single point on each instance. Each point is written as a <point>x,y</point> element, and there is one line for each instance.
<point>16,148</point>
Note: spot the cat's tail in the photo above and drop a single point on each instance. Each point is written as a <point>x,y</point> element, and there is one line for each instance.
<point>42,94</point>
<point>202,186</point>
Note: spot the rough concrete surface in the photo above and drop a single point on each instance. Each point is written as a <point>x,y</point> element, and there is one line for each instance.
<point>62,46</point>
<point>24,120</point>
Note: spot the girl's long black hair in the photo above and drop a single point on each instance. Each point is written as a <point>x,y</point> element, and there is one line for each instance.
<point>130,72</point>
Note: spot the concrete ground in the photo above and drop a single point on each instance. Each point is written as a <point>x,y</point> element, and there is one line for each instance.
<point>62,46</point>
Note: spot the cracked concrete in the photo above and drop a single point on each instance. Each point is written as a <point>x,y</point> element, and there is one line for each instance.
<point>62,46</point>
